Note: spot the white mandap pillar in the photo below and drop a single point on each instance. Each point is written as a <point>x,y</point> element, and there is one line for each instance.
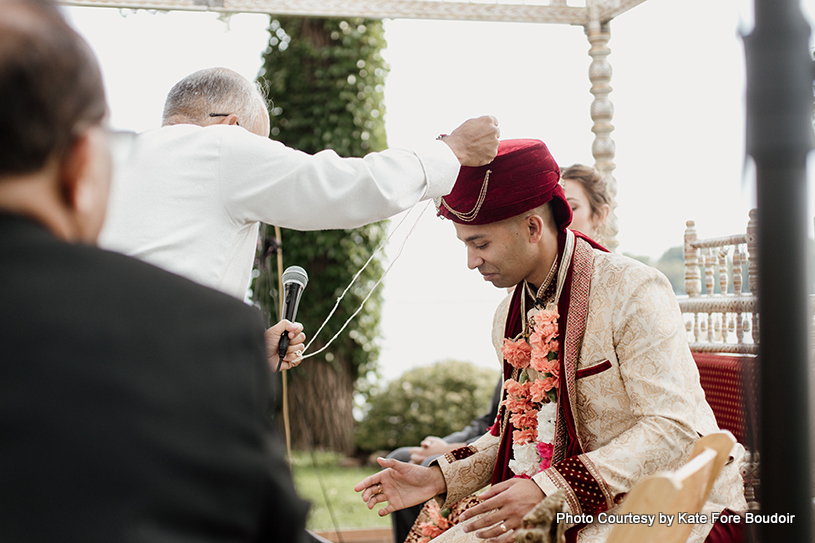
<point>602,110</point>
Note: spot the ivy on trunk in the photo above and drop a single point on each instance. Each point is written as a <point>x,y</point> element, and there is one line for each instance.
<point>325,79</point>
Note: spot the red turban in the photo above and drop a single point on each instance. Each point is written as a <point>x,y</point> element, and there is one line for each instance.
<point>523,176</point>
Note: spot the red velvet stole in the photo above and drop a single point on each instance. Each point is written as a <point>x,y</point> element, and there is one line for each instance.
<point>513,328</point>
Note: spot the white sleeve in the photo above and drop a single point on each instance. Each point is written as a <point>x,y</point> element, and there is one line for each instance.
<point>263,180</point>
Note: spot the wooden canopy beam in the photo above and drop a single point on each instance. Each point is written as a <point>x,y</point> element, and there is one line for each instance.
<point>557,11</point>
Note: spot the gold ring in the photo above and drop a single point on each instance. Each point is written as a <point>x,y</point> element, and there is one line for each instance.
<point>380,489</point>
<point>504,527</point>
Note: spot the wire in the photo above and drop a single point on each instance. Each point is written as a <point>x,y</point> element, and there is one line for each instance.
<point>378,249</point>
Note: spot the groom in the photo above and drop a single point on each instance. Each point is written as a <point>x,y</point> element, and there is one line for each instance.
<point>600,386</point>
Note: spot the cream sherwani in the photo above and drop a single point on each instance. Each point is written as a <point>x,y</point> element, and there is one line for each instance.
<point>635,396</point>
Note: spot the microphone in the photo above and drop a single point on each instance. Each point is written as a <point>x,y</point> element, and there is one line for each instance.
<point>295,280</point>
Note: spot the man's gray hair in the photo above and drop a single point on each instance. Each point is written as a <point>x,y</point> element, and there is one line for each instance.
<point>214,90</point>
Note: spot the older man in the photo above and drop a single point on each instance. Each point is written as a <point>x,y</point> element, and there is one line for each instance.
<point>600,386</point>
<point>195,190</point>
<point>134,404</point>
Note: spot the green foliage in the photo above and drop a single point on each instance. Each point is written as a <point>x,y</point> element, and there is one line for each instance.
<point>433,400</point>
<point>326,80</point>
<point>336,481</point>
<point>671,263</point>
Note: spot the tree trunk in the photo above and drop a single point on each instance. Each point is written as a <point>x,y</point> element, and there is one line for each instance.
<point>321,400</point>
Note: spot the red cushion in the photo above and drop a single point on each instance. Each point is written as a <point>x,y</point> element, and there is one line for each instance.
<point>723,379</point>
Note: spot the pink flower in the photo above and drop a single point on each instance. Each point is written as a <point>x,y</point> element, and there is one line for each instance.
<point>517,353</point>
<point>545,451</point>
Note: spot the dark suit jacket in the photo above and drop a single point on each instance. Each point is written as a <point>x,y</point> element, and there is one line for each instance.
<point>134,404</point>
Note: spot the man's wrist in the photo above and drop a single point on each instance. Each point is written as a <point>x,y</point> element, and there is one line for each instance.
<point>438,480</point>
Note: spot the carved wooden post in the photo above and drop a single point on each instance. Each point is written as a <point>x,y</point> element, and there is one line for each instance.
<point>737,259</point>
<point>752,266</point>
<point>602,110</point>
<point>737,271</point>
<point>693,279</point>
<point>723,284</point>
<point>709,260</point>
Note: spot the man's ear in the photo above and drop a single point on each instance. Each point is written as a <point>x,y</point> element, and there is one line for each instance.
<point>228,119</point>
<point>534,226</point>
<point>84,175</point>
<point>72,172</point>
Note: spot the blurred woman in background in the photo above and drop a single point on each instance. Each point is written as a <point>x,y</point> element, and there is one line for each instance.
<point>588,197</point>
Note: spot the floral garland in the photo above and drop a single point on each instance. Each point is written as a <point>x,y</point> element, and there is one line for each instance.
<point>532,405</point>
<point>532,398</point>
<point>436,524</point>
<point>433,521</point>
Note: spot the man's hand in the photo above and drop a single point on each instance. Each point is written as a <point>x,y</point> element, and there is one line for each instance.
<point>475,142</point>
<point>505,504</point>
<point>401,485</point>
<point>432,446</point>
<point>296,340</point>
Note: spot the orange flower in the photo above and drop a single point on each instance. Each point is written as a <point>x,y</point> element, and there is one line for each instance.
<point>549,383</point>
<point>543,363</point>
<point>516,389</point>
<point>521,437</point>
<point>525,420</point>
<point>435,526</point>
<point>547,316</point>
<point>516,406</point>
<point>517,353</point>
<point>546,329</point>
<point>537,341</point>
<point>435,516</point>
<point>431,530</point>
<point>537,391</point>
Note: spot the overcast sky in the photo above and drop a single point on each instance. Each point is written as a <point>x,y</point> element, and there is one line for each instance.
<point>679,128</point>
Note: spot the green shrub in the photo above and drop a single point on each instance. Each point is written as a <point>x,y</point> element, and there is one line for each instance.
<point>433,400</point>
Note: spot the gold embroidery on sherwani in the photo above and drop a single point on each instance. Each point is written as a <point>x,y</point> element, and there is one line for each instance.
<point>471,473</point>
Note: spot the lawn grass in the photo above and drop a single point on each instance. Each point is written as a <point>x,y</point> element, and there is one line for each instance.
<point>348,508</point>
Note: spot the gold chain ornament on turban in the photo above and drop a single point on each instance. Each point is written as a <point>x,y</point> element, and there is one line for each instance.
<point>473,213</point>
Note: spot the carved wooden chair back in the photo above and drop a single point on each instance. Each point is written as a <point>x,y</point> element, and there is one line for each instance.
<point>666,495</point>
